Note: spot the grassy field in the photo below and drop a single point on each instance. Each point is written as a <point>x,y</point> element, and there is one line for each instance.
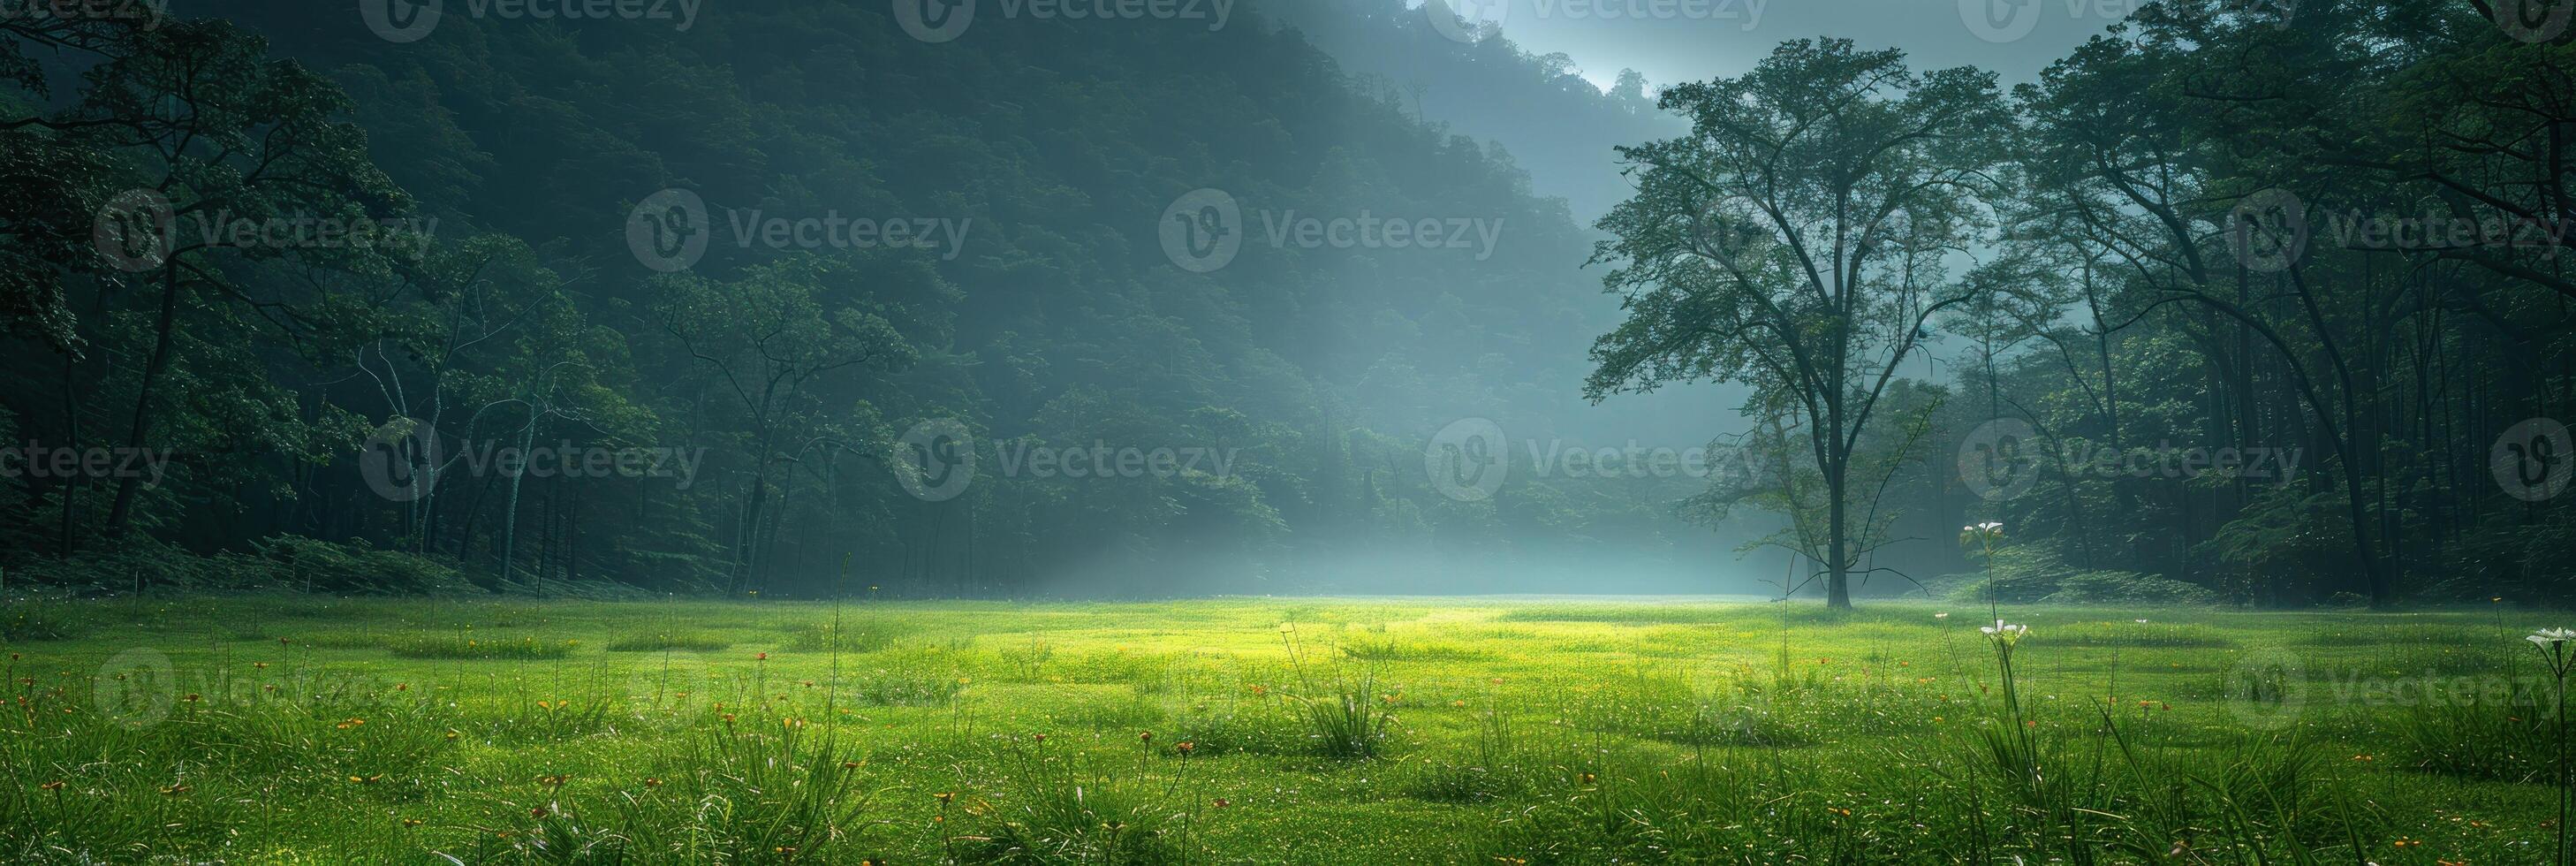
<point>267,730</point>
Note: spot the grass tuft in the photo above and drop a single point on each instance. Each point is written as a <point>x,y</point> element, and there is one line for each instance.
<point>526,648</point>
<point>666,640</point>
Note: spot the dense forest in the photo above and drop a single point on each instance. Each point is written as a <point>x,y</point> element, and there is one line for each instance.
<point>2237,303</point>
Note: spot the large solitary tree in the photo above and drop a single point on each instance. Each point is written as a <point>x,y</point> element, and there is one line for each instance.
<point>1800,239</point>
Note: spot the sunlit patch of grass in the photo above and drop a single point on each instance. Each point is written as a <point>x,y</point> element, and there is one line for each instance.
<point>1461,782</point>
<point>1054,820</point>
<point>2382,634</point>
<point>347,639</point>
<point>461,647</point>
<point>692,641</point>
<point>1387,649</point>
<point>1784,734</point>
<point>906,688</point>
<point>2147,634</point>
<point>1674,614</point>
<point>854,636</point>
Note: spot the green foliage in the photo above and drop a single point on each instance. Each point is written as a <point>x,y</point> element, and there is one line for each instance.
<point>2035,574</point>
<point>354,568</point>
<point>37,618</point>
<point>2512,740</point>
<point>1561,739</point>
<point>1052,820</point>
<point>852,636</point>
<point>469,647</point>
<point>906,688</point>
<point>693,641</point>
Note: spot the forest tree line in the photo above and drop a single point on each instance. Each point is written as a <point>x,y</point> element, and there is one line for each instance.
<point>2141,250</point>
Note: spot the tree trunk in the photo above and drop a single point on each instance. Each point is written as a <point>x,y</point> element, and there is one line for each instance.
<point>70,539</point>
<point>510,512</point>
<point>163,327</point>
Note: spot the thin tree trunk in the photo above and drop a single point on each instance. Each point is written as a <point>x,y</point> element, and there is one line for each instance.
<point>163,327</point>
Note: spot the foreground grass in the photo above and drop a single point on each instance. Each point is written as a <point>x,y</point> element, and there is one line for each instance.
<point>280,730</point>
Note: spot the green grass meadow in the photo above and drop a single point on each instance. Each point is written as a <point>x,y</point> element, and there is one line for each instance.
<point>284,730</point>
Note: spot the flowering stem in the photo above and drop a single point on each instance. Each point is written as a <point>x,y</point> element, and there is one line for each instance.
<point>2560,855</point>
<point>1994,593</point>
<point>2012,709</point>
